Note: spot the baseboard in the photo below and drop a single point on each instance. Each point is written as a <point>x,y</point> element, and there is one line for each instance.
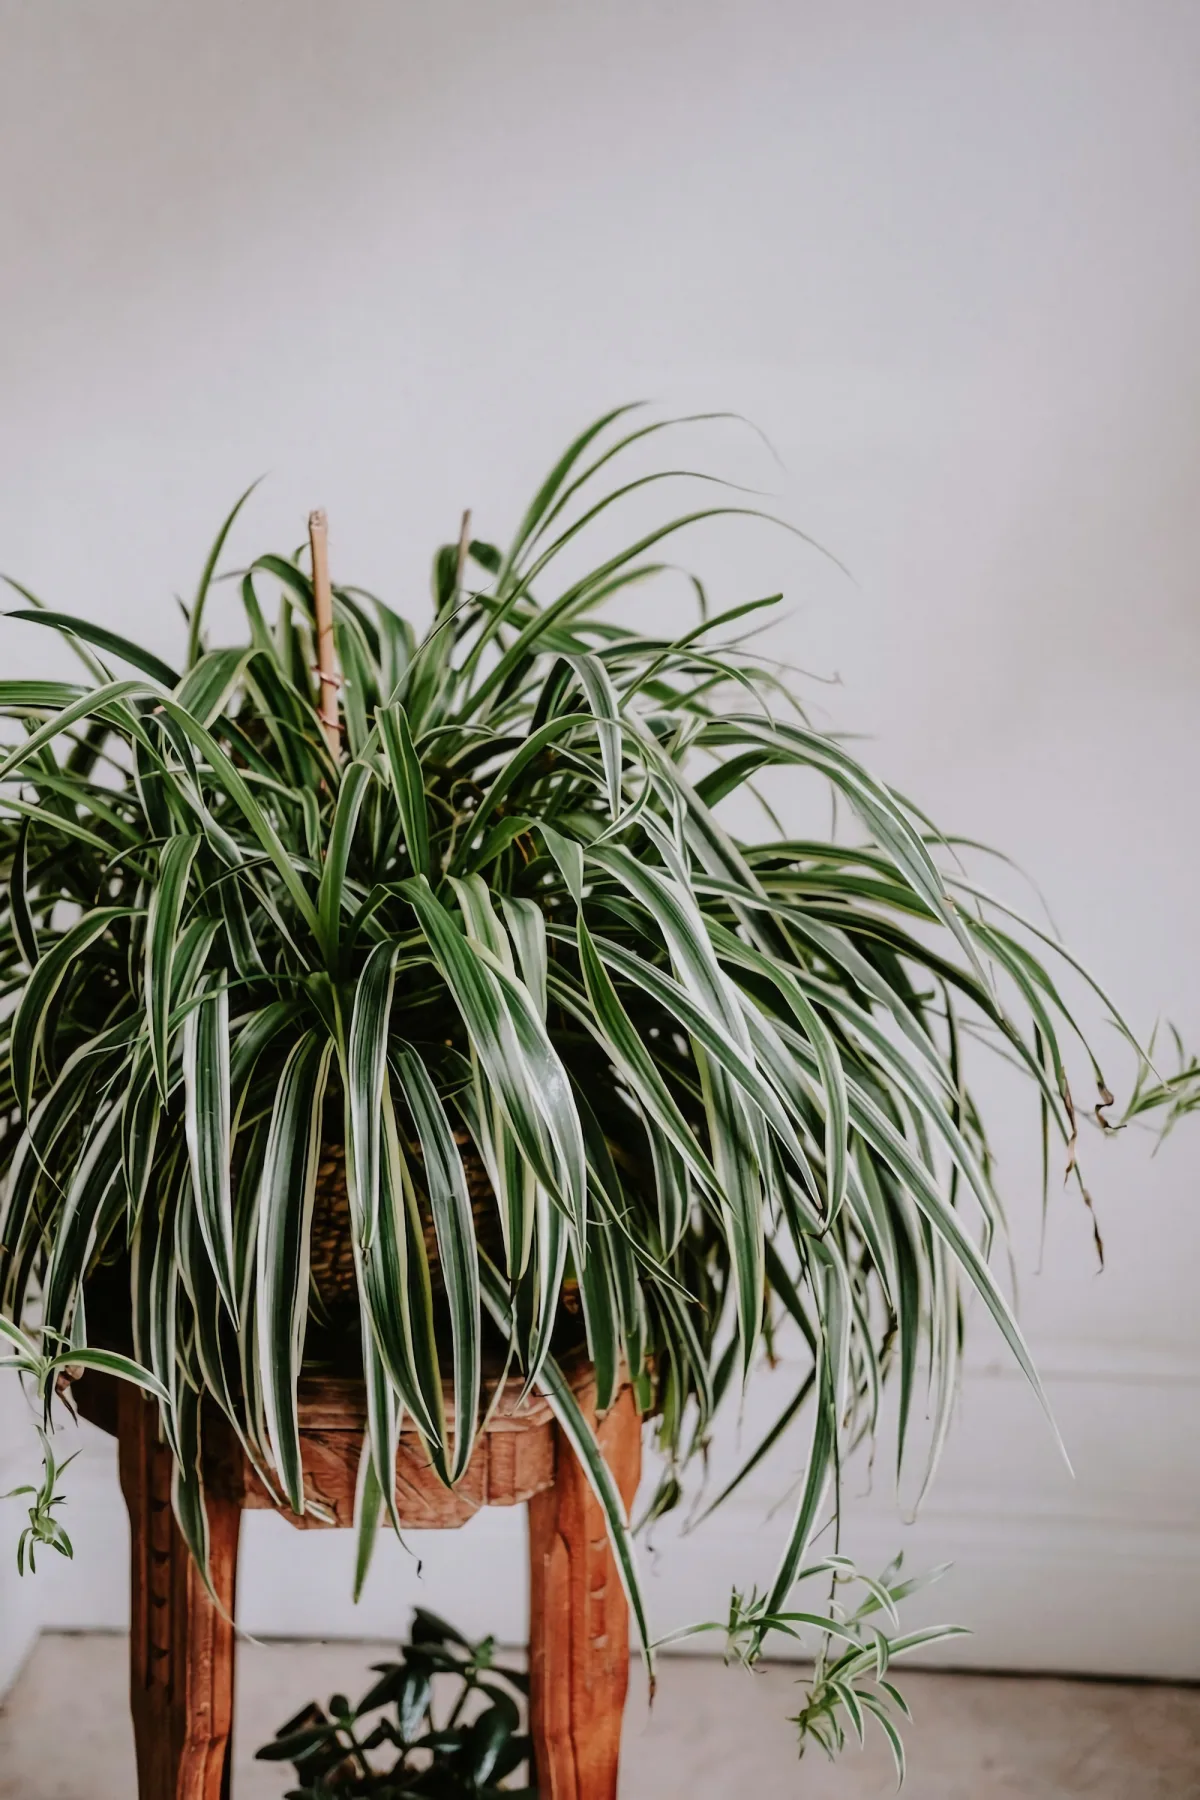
<point>1040,1590</point>
<point>1047,1596</point>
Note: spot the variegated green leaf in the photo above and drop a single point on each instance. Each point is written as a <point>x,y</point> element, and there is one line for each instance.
<point>454,1223</point>
<point>285,1206</point>
<point>404,770</point>
<point>207,1117</point>
<point>162,944</point>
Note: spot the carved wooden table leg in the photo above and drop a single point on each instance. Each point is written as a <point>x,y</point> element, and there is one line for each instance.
<point>579,1620</point>
<point>181,1648</point>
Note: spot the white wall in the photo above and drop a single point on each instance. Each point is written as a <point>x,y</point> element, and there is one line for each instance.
<point>945,255</point>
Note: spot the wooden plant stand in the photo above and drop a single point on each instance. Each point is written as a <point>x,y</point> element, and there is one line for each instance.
<point>182,1646</point>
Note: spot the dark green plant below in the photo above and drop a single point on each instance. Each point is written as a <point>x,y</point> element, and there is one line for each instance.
<point>445,1722</point>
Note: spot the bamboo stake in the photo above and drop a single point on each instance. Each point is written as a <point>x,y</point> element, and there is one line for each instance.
<point>464,547</point>
<point>327,675</point>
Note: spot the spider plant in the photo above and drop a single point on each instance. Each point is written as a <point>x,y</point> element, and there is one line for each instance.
<point>715,1083</point>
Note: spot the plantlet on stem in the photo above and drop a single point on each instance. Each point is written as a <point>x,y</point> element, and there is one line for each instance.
<point>43,1528</point>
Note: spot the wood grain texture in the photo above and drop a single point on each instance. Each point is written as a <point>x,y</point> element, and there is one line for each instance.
<point>579,1618</point>
<point>181,1642</point>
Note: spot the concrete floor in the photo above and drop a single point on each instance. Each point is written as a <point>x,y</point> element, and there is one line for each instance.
<point>714,1733</point>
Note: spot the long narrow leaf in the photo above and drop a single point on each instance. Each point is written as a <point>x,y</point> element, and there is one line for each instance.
<point>285,1218</point>
<point>207,1115</point>
<point>162,943</point>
